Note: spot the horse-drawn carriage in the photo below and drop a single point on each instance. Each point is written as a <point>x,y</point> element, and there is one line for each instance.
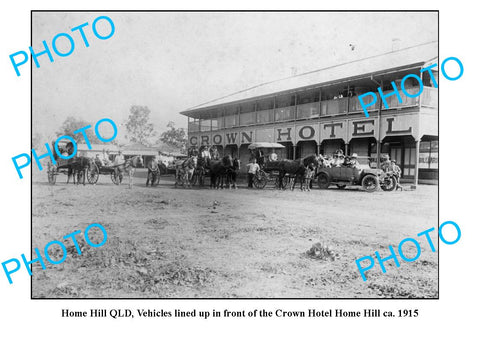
<point>77,167</point>
<point>279,172</point>
<point>98,169</point>
<point>269,171</point>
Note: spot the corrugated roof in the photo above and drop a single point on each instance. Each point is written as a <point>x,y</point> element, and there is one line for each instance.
<point>413,56</point>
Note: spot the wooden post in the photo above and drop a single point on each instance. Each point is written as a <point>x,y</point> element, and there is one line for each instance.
<point>348,98</point>
<point>417,157</point>
<point>295,109</point>
<point>379,141</point>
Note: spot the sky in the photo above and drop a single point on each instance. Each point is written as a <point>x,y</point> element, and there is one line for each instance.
<point>172,61</point>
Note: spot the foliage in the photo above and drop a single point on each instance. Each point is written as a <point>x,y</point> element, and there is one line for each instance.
<point>72,124</point>
<point>176,137</point>
<point>139,129</point>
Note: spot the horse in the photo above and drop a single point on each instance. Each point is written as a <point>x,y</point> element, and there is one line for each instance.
<point>184,171</point>
<point>203,163</point>
<point>297,168</point>
<point>231,174</point>
<point>78,167</point>
<point>153,175</point>
<point>218,169</point>
<point>128,167</point>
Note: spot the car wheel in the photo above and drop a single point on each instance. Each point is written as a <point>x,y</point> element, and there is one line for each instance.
<point>370,183</point>
<point>323,181</point>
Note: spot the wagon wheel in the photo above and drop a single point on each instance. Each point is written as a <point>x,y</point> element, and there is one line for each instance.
<point>260,180</point>
<point>114,178</point>
<point>93,173</point>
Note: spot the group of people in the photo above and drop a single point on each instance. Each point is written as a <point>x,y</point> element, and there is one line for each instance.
<point>205,151</point>
<point>105,159</point>
<point>339,159</point>
<point>388,165</point>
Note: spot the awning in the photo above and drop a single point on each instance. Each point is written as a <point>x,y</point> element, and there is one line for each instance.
<point>265,145</point>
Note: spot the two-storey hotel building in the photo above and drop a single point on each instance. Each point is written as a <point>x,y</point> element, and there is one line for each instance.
<point>319,112</point>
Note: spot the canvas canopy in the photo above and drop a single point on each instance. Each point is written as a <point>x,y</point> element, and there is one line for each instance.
<point>265,145</point>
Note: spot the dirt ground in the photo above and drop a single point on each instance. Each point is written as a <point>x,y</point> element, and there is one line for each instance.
<point>200,243</point>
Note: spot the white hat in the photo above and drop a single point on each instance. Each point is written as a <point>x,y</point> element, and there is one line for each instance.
<point>354,155</point>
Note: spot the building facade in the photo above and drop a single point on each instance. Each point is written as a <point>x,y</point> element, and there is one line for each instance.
<point>319,112</point>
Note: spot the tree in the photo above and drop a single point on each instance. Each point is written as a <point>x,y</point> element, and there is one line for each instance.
<point>176,137</point>
<point>72,124</point>
<point>139,129</point>
<point>38,140</point>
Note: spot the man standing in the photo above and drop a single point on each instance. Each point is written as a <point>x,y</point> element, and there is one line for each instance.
<point>386,164</point>
<point>252,170</point>
<point>397,173</point>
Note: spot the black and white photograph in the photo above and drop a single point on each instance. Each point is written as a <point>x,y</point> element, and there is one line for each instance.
<point>236,155</point>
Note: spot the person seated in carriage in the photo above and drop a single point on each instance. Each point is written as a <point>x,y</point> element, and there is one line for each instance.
<point>259,155</point>
<point>215,155</point>
<point>105,158</point>
<point>273,156</point>
<point>64,152</point>
<point>98,161</point>
<point>119,159</point>
<point>204,153</point>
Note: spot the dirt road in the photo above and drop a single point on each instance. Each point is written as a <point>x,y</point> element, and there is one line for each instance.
<point>179,243</point>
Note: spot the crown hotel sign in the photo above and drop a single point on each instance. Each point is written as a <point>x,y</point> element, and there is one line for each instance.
<point>346,129</point>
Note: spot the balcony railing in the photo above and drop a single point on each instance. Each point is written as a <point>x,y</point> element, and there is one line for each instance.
<point>265,116</point>
<point>309,110</point>
<point>428,98</point>
<point>334,106</point>
<point>285,113</point>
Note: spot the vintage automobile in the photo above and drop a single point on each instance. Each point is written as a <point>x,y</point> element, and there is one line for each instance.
<point>370,179</point>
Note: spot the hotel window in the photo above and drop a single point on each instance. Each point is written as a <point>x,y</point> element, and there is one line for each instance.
<point>247,114</point>
<point>265,111</point>
<point>217,120</point>
<point>205,125</point>
<point>428,157</point>
<point>285,108</point>
<point>194,126</point>
<point>217,123</point>
<point>308,105</point>
<point>231,116</point>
